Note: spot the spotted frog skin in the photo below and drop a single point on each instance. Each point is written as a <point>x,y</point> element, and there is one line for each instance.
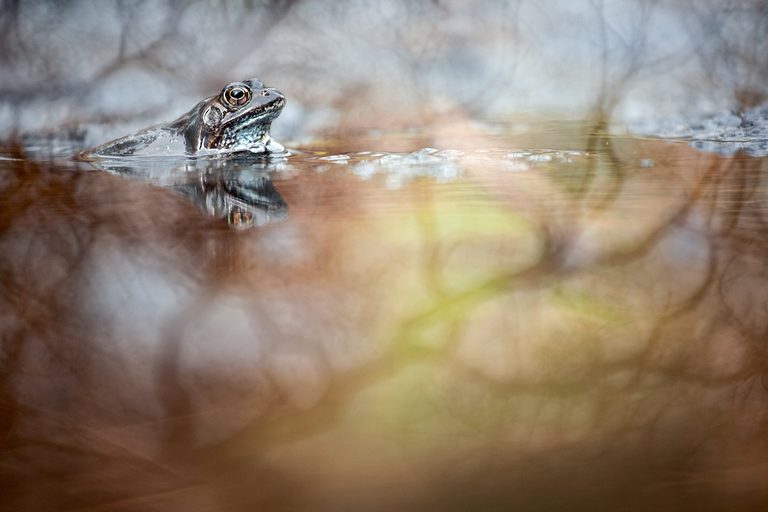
<point>237,119</point>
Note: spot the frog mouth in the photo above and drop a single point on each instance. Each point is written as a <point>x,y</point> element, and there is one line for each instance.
<point>260,115</point>
<point>275,106</point>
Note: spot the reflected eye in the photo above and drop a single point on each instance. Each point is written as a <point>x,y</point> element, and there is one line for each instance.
<point>236,95</point>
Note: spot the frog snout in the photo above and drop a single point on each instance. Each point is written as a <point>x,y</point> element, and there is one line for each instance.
<point>272,96</point>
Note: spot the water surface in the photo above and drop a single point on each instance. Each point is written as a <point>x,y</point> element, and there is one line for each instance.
<point>545,319</point>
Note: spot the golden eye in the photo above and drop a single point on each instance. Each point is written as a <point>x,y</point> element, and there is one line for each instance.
<point>236,95</point>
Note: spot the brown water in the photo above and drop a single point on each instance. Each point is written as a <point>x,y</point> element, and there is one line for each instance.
<point>550,320</point>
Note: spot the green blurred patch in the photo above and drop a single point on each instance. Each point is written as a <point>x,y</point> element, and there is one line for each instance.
<point>448,242</point>
<point>421,407</point>
<point>589,306</point>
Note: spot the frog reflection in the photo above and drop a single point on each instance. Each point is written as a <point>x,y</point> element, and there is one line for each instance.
<point>245,199</point>
<point>237,190</point>
<point>238,119</point>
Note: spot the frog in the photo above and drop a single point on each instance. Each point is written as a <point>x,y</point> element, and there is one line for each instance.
<point>238,119</point>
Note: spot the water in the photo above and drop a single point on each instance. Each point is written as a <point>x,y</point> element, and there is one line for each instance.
<point>544,319</point>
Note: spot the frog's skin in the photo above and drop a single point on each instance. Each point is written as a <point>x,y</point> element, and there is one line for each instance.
<point>236,119</point>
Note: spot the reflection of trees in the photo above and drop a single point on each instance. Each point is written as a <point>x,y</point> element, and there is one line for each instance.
<point>52,225</point>
<point>608,341</point>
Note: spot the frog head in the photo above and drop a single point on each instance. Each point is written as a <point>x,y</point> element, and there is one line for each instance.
<point>238,118</point>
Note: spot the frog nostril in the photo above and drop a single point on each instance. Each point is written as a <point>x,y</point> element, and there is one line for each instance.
<point>265,92</point>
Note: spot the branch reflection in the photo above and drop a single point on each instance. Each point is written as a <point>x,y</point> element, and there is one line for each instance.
<point>583,308</point>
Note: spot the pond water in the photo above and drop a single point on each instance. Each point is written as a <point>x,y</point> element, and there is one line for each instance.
<point>544,319</point>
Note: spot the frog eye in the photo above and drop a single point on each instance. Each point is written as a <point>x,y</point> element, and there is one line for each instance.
<point>235,95</point>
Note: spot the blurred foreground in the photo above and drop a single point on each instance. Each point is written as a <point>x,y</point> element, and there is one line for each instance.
<point>581,326</point>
